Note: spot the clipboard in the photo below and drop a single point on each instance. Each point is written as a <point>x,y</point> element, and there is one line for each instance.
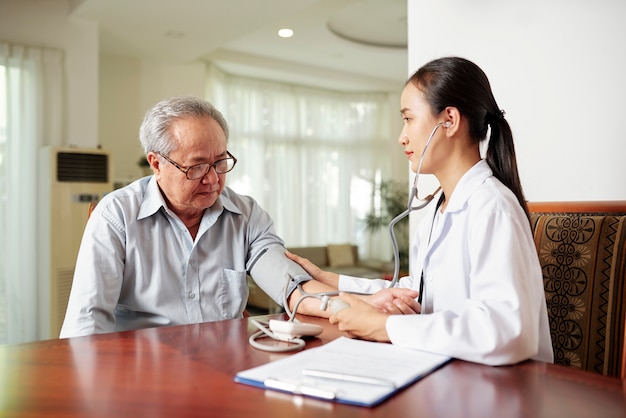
<point>349,371</point>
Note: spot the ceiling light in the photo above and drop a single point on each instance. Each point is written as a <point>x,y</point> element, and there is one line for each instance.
<point>285,33</point>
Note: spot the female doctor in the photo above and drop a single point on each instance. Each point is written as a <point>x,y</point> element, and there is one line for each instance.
<point>473,256</point>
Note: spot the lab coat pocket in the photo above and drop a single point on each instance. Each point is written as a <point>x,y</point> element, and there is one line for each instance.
<point>233,293</point>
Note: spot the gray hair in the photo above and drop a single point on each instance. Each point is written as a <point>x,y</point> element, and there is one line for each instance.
<point>154,133</point>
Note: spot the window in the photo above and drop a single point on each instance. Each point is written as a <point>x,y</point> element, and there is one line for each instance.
<point>3,196</point>
<point>31,85</point>
<point>307,155</point>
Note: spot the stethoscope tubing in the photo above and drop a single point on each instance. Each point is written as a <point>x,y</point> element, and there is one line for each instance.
<point>410,208</point>
<point>298,343</point>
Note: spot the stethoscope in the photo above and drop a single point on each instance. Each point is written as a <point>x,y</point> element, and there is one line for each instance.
<point>297,343</point>
<point>422,203</point>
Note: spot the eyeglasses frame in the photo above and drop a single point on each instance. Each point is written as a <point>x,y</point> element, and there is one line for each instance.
<point>185,170</point>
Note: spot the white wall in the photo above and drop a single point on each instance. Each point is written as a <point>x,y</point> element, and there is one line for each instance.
<point>128,88</point>
<point>557,68</point>
<point>120,114</point>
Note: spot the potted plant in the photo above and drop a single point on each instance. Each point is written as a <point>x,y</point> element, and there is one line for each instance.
<point>393,196</point>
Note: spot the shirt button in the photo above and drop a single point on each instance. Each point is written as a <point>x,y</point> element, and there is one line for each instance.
<point>192,296</point>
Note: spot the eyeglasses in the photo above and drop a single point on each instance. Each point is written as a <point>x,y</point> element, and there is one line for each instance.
<point>198,171</point>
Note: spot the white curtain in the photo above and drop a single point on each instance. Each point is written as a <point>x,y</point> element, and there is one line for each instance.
<point>307,155</point>
<point>31,103</point>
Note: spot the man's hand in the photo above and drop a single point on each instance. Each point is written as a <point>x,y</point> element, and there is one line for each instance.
<point>366,316</point>
<point>395,301</point>
<point>361,319</point>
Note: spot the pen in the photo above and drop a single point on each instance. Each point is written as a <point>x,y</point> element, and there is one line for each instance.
<point>347,377</point>
<point>298,388</point>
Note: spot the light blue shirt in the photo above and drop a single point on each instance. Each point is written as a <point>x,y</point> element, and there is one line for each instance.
<point>139,267</point>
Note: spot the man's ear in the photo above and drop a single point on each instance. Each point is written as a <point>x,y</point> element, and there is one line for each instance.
<point>154,161</point>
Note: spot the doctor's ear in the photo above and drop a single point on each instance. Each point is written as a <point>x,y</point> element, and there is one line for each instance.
<point>451,118</point>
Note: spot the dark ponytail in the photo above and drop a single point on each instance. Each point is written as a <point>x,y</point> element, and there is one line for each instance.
<point>502,159</point>
<point>457,82</point>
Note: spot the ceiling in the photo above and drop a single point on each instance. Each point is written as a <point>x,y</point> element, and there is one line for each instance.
<point>355,45</point>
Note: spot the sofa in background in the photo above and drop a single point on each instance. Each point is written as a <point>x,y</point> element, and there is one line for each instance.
<point>339,258</point>
<point>582,251</point>
<point>344,259</point>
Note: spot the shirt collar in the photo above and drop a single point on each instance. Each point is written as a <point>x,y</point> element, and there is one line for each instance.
<point>226,201</point>
<point>466,186</point>
<point>153,201</point>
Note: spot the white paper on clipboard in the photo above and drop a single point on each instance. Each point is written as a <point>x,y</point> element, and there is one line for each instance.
<point>355,359</point>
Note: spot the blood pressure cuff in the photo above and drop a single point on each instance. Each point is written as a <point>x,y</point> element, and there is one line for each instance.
<point>277,275</point>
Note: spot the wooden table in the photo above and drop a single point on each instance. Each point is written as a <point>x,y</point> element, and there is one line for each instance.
<point>187,371</point>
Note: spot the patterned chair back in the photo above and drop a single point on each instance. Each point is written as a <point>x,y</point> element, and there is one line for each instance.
<point>583,257</point>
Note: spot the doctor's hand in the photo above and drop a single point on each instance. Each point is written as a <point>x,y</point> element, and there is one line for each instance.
<point>361,319</point>
<point>326,277</point>
<point>395,301</point>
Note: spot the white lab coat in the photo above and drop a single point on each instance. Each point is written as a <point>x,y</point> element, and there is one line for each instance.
<point>483,287</point>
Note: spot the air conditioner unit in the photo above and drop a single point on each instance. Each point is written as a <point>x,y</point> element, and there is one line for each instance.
<point>75,177</point>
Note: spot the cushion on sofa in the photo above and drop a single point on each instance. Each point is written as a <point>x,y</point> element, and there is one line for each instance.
<point>583,259</point>
<point>316,255</point>
<point>340,255</point>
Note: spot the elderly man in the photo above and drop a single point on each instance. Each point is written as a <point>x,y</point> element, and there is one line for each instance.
<point>175,247</point>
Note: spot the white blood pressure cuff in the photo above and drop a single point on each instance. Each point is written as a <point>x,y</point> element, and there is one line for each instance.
<point>277,275</point>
